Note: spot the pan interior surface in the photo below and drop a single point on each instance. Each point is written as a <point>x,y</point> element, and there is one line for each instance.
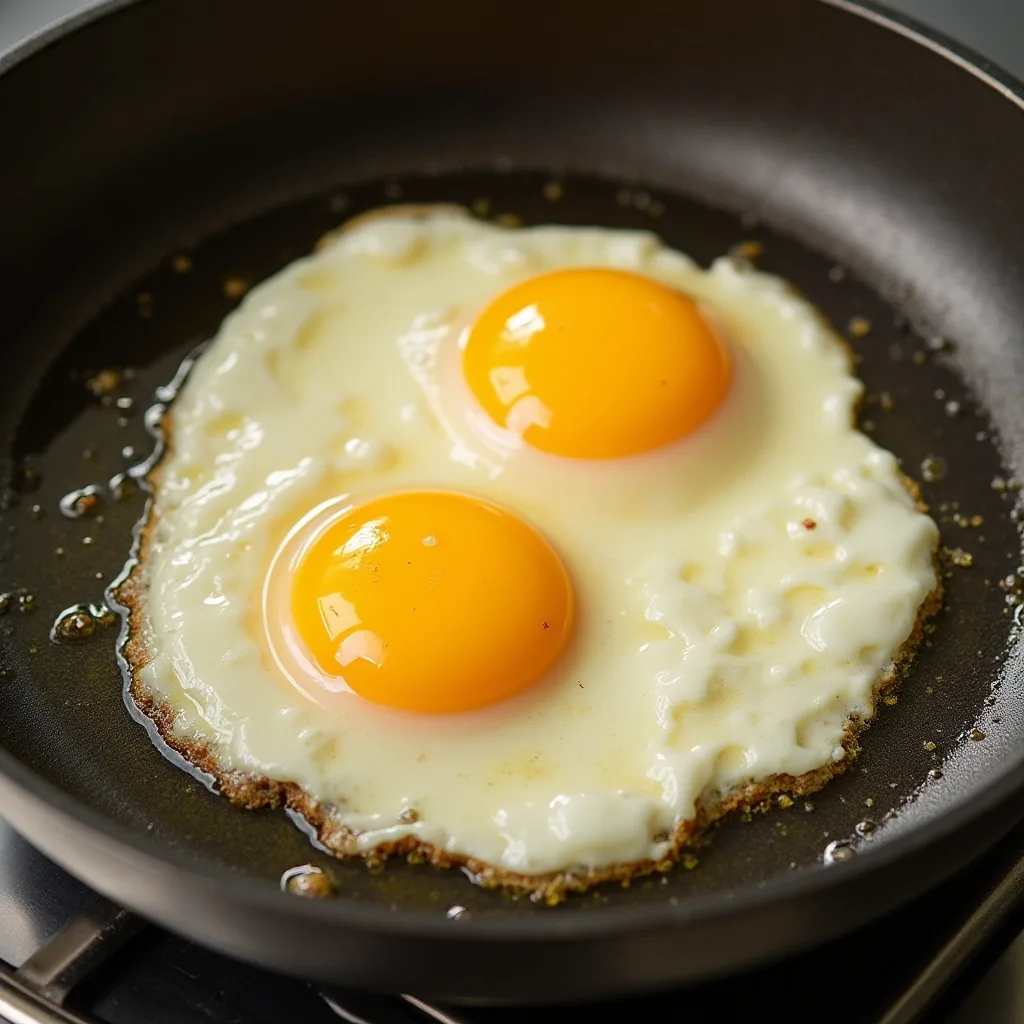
<point>917,406</point>
<point>130,263</point>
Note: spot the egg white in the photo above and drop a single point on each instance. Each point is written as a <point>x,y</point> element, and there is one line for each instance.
<point>721,640</point>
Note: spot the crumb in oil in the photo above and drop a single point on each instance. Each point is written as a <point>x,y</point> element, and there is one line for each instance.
<point>747,252</point>
<point>235,287</point>
<point>859,327</point>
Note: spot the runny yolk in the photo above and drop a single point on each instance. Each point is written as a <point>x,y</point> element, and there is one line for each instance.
<point>595,363</point>
<point>432,601</point>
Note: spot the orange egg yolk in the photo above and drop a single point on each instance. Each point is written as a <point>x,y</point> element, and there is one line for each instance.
<point>432,602</point>
<point>595,363</point>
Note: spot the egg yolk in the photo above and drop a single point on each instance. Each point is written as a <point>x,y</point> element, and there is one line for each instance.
<point>432,602</point>
<point>595,363</point>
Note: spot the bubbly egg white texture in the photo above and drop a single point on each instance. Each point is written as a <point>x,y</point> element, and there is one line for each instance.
<point>720,639</point>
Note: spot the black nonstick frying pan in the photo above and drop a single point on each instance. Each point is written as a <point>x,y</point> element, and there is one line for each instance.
<point>153,154</point>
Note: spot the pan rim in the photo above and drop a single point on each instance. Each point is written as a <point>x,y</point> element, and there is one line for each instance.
<point>558,924</point>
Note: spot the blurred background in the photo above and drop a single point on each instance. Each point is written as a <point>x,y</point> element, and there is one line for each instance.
<point>995,28</point>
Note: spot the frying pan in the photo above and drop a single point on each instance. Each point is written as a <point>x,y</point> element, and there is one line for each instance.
<point>880,169</point>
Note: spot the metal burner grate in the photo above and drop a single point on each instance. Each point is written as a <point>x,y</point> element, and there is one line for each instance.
<point>38,991</point>
<point>107,967</point>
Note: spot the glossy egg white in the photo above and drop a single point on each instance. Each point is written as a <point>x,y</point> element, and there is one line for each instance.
<point>721,640</point>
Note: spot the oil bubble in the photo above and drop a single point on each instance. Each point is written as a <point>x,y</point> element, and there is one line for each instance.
<point>153,417</point>
<point>73,625</point>
<point>838,851</point>
<point>81,621</point>
<point>308,881</point>
<point>166,392</point>
<point>122,487</point>
<point>85,501</point>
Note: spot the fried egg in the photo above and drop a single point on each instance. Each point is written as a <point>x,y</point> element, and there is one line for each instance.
<point>528,549</point>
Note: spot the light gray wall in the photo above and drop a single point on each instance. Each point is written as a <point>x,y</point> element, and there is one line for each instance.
<point>994,28</point>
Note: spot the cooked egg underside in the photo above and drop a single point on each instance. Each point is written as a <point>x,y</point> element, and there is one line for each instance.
<point>742,595</point>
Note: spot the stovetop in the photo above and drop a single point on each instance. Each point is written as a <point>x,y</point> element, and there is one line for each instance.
<point>69,956</point>
<point>953,956</point>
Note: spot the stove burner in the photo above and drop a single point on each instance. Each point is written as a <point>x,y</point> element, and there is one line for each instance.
<point>105,966</point>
